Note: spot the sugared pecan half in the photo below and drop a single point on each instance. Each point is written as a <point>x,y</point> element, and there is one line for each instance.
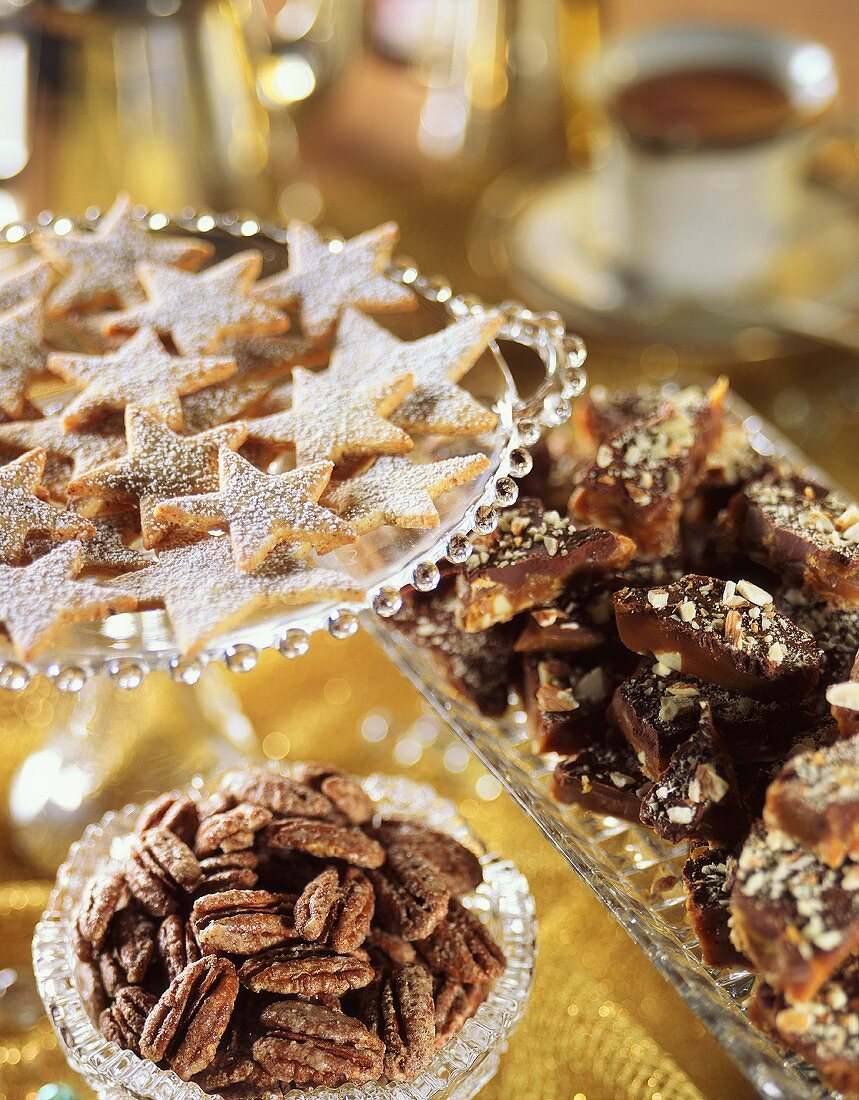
<point>386,948</point>
<point>308,1045</point>
<point>277,793</point>
<point>232,830</point>
<point>399,1007</point>
<point>343,791</point>
<point>185,1026</point>
<point>336,908</point>
<point>326,839</point>
<point>411,896</point>
<point>91,989</point>
<point>111,973</point>
<point>243,922</point>
<point>176,945</point>
<point>305,970</point>
<point>232,1068</point>
<point>460,947</point>
<point>105,895</point>
<point>159,869</point>
<point>228,871</point>
<point>124,1021</point>
<point>175,812</point>
<point>454,1004</point>
<point>456,865</point>
<point>132,935</point>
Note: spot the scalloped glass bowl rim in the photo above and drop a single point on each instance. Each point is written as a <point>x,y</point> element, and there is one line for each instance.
<point>458,1071</point>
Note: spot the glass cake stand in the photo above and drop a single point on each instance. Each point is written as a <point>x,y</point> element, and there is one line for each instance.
<point>626,865</point>
<point>457,1072</point>
<point>79,772</point>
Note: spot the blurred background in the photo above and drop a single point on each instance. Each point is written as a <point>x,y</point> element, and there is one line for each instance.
<point>679,178</point>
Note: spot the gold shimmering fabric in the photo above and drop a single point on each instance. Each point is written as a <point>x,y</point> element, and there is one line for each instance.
<point>602,1024</point>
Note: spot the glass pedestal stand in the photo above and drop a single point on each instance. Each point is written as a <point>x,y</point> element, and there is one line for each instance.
<point>168,732</point>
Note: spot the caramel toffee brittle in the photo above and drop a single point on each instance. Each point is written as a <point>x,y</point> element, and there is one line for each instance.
<point>641,476</point>
<point>806,533</point>
<point>728,633</point>
<point>575,623</point>
<point>604,777</point>
<point>844,701</point>
<point>823,1029</point>
<point>795,918</point>
<point>528,561</point>
<point>696,795</point>
<point>657,708</point>
<point>706,876</point>
<point>566,700</point>
<point>815,799</point>
<point>835,629</point>
<point>601,413</point>
<point>480,665</point>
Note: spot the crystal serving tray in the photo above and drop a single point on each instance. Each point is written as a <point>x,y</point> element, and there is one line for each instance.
<point>127,647</point>
<point>458,1072</point>
<point>626,865</point>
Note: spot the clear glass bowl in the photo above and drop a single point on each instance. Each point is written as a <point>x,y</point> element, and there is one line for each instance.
<point>626,865</point>
<point>458,1072</point>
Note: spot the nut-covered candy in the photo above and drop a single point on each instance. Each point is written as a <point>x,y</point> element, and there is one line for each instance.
<point>342,790</point>
<point>411,896</point>
<point>159,869</point>
<point>327,839</point>
<point>305,970</point>
<point>124,1021</point>
<point>277,793</point>
<point>336,908</point>
<point>460,947</point>
<point>399,1007</point>
<point>176,945</point>
<point>105,895</point>
<point>243,922</point>
<point>231,831</point>
<point>174,812</point>
<point>456,865</point>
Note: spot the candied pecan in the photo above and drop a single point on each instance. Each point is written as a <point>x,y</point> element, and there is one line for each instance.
<point>228,871</point>
<point>174,812</point>
<point>176,945</point>
<point>231,1068</point>
<point>185,1026</point>
<point>399,1007</point>
<point>309,1045</point>
<point>336,907</point>
<point>232,830</point>
<point>386,948</point>
<point>343,791</point>
<point>277,793</point>
<point>132,934</point>
<point>123,1022</point>
<point>460,947</point>
<point>105,895</point>
<point>111,973</point>
<point>305,970</point>
<point>159,868</point>
<point>243,922</point>
<point>454,1004</point>
<point>456,865</point>
<point>91,989</point>
<point>215,803</point>
<point>326,839</point>
<point>411,897</point>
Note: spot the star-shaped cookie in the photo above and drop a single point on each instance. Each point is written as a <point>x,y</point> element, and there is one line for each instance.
<point>99,265</point>
<point>197,310</point>
<point>159,464</point>
<point>436,405</point>
<point>259,357</point>
<point>37,600</point>
<point>79,450</point>
<point>395,491</point>
<point>334,420</point>
<point>204,594</point>
<point>22,354</point>
<point>23,513</point>
<point>108,551</point>
<point>324,280</point>
<point>222,402</point>
<point>141,372</point>
<point>30,279</point>
<point>262,510</point>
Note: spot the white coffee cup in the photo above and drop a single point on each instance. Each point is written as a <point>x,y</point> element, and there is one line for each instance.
<point>705,221</point>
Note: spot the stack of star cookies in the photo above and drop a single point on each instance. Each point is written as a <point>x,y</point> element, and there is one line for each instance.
<point>215,432</point>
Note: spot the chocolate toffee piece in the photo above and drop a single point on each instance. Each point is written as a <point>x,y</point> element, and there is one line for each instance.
<point>575,623</point>
<point>824,1029</point>
<point>479,665</point>
<point>641,475</point>
<point>796,919</point>
<point>566,700</point>
<point>528,561</point>
<point>604,777</point>
<point>804,532</point>
<point>696,795</point>
<point>657,708</point>
<point>706,874</point>
<point>602,413</point>
<point>844,701</point>
<point>725,632</point>
<point>835,629</point>
<point>815,799</point>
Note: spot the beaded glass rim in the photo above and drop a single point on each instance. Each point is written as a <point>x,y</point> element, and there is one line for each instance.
<point>624,864</point>
<point>562,356</point>
<point>457,1072</point>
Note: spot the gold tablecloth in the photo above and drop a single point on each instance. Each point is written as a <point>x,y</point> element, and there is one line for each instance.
<point>602,1024</point>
